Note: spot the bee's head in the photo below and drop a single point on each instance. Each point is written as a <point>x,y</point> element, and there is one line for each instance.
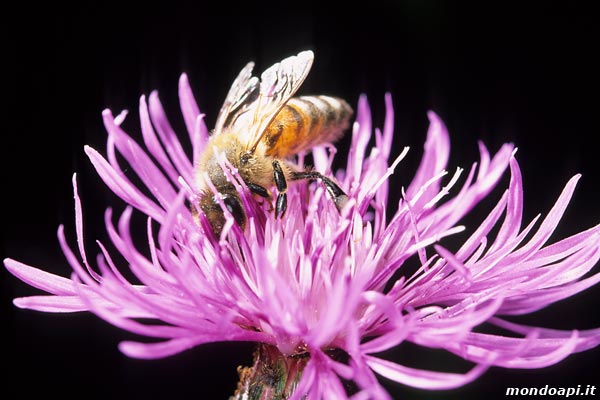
<point>209,205</point>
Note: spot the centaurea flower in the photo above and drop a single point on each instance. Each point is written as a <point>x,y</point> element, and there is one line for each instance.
<point>315,290</point>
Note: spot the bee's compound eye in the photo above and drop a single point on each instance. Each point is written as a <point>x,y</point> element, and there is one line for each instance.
<point>234,205</point>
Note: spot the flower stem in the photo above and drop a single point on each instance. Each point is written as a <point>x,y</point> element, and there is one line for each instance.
<point>273,376</point>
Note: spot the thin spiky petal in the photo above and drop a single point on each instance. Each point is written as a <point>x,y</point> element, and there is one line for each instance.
<point>318,282</point>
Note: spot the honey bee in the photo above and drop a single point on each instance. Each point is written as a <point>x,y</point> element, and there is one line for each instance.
<point>259,127</point>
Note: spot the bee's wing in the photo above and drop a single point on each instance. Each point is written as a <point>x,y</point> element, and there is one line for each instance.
<point>251,104</point>
<point>277,85</point>
<point>241,96</point>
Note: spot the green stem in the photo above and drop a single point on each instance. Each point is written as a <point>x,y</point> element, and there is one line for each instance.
<point>273,376</point>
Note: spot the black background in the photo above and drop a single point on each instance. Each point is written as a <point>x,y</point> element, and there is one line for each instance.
<point>497,73</point>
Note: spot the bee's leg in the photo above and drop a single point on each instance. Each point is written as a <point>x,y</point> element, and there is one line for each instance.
<point>340,198</point>
<point>260,191</point>
<point>281,184</point>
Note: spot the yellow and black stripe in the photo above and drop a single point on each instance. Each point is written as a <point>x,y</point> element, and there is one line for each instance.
<point>305,122</point>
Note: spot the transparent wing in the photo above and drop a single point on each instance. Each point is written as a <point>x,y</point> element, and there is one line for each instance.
<point>242,94</point>
<point>251,105</point>
<point>277,85</point>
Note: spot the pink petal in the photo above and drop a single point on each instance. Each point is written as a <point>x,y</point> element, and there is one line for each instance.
<point>423,379</point>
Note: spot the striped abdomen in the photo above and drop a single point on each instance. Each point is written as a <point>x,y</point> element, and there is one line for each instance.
<point>305,122</point>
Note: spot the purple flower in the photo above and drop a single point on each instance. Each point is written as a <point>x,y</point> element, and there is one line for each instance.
<point>315,288</point>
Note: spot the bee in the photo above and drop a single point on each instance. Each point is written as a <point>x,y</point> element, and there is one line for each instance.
<point>259,127</point>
